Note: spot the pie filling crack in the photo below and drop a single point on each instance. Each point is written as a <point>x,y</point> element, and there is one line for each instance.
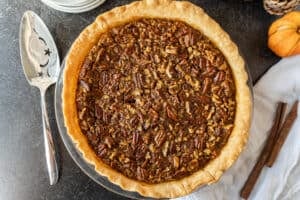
<point>155,96</point>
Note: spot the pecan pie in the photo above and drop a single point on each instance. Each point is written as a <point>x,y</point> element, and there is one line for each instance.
<point>155,96</point>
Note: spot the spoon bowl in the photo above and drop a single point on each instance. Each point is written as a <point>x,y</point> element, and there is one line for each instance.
<point>39,55</point>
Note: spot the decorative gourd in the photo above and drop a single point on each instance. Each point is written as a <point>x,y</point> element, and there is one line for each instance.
<point>280,7</point>
<point>284,35</point>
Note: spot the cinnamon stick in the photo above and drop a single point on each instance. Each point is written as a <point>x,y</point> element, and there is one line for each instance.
<point>277,129</point>
<point>284,131</point>
<point>281,118</point>
<point>249,184</point>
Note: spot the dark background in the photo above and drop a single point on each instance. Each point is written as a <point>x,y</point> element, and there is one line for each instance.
<point>23,172</point>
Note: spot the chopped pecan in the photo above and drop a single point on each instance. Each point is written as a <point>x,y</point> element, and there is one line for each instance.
<point>141,173</point>
<point>99,54</point>
<point>151,148</point>
<point>108,141</point>
<point>81,113</point>
<point>153,115</point>
<point>106,117</point>
<point>193,164</point>
<point>135,138</point>
<point>174,89</point>
<point>204,99</point>
<point>206,83</point>
<point>104,78</point>
<point>84,85</point>
<point>171,49</point>
<point>171,112</point>
<point>102,150</point>
<point>140,152</point>
<point>156,58</point>
<point>138,80</point>
<point>160,137</point>
<point>98,112</point>
<point>165,148</point>
<point>146,138</point>
<point>219,77</point>
<point>85,67</point>
<point>175,162</point>
<point>187,107</point>
<point>187,39</point>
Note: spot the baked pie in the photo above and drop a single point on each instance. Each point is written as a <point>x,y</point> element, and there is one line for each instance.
<point>155,96</point>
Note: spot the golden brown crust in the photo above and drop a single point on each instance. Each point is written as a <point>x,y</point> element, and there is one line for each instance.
<point>198,19</point>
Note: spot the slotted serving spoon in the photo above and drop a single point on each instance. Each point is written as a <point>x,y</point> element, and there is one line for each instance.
<point>40,61</point>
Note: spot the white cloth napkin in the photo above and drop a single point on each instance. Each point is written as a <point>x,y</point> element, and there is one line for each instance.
<point>282,181</point>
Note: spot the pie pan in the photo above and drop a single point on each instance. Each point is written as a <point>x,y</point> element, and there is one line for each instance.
<point>210,173</point>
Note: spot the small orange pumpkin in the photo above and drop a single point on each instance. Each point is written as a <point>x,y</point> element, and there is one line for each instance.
<point>284,35</point>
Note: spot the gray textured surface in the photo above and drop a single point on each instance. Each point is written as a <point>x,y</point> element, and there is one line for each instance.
<point>22,163</point>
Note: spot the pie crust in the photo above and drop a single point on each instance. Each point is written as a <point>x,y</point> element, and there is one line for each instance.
<point>198,19</point>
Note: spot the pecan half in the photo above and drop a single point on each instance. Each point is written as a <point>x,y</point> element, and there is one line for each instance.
<point>171,112</point>
<point>160,137</point>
